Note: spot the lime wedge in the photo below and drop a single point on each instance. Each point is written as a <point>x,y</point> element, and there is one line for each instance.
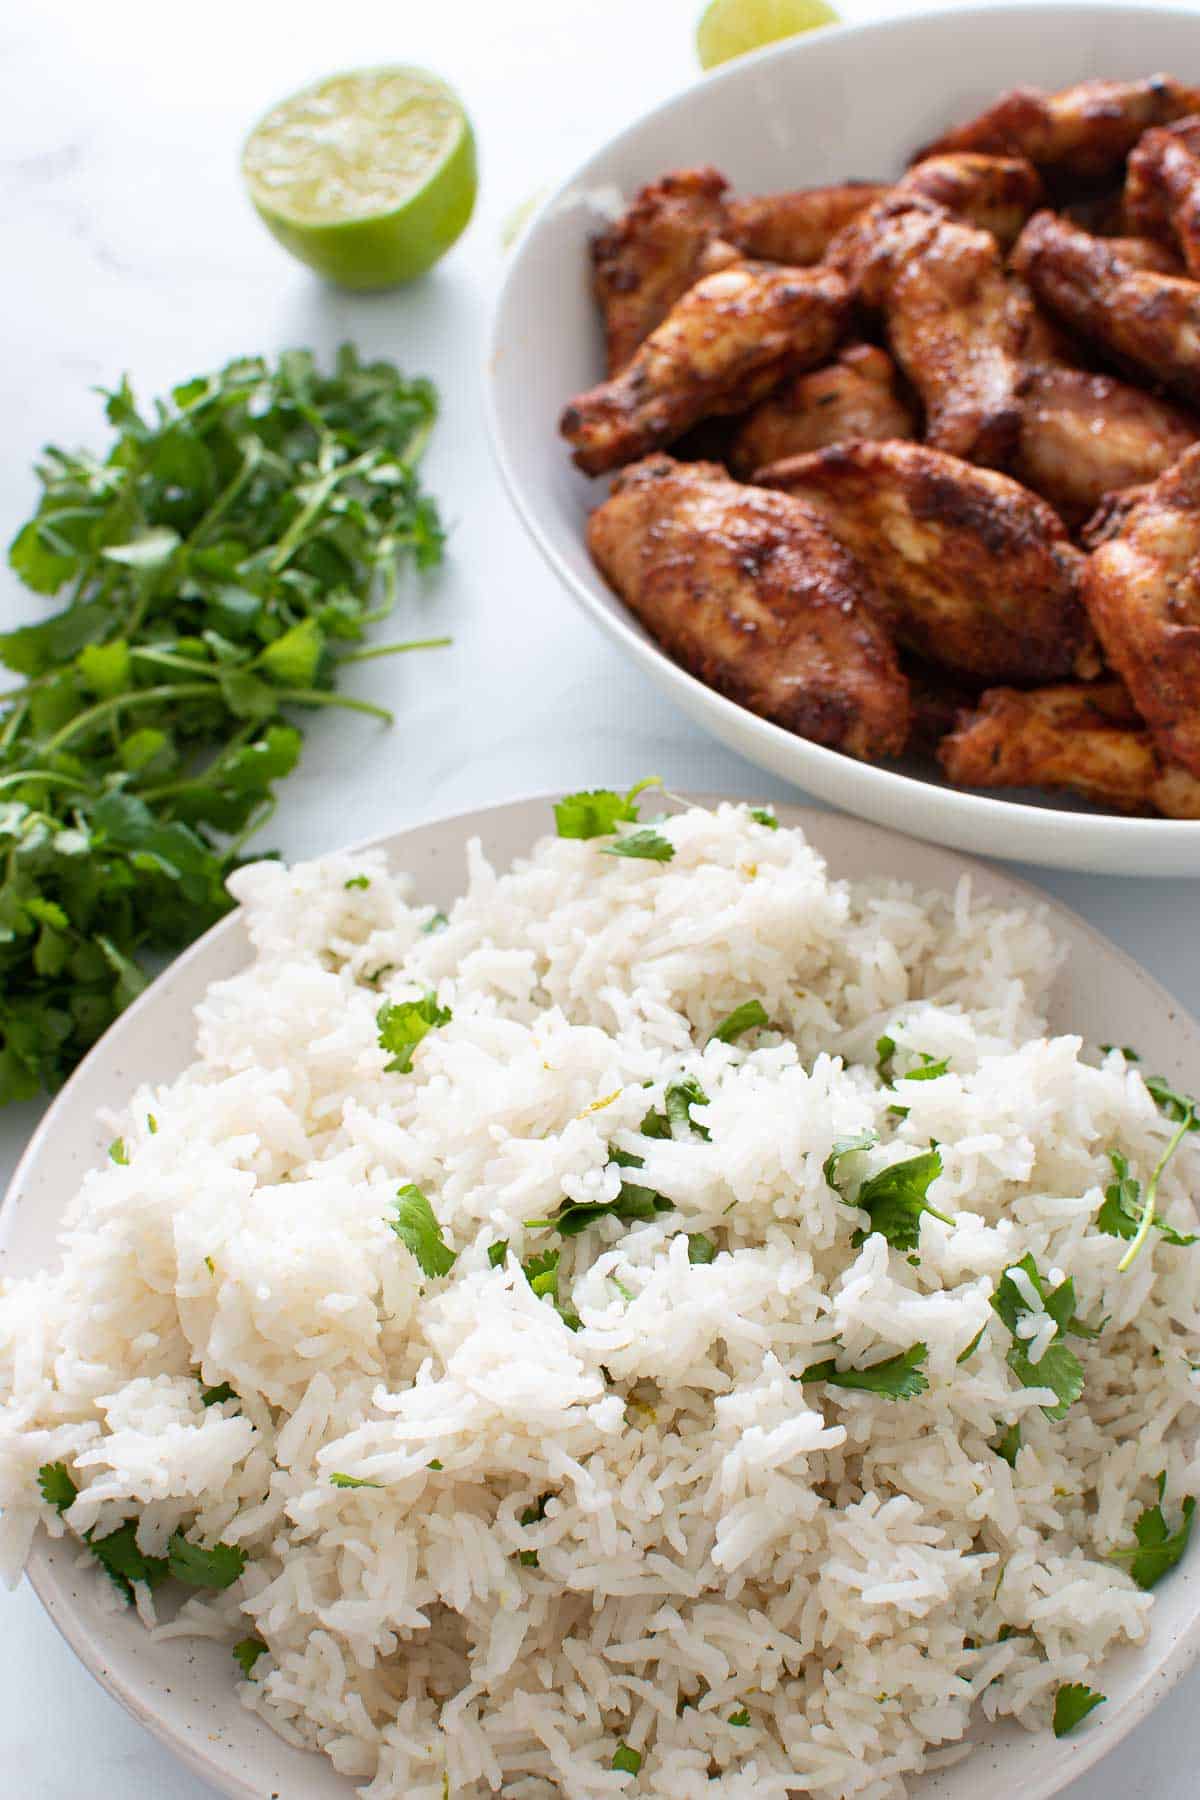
<point>367,177</point>
<point>730,28</point>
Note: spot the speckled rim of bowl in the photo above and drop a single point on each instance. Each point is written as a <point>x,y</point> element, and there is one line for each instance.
<point>965,819</point>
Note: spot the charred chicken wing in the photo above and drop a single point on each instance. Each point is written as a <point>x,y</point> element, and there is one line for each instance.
<point>797,228</point>
<point>854,397</point>
<point>1085,131</point>
<point>975,573</point>
<point>650,257</point>
<point>750,592</point>
<point>1147,321</point>
<point>950,318</point>
<point>1088,739</point>
<point>1162,188</point>
<point>1084,436</point>
<point>723,346</point>
<point>1142,591</point>
<point>993,193</point>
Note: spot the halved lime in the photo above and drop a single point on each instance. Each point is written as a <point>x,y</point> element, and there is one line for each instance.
<point>367,177</point>
<point>730,28</point>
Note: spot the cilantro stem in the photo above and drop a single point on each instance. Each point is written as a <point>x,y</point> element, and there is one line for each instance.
<point>170,659</point>
<point>318,697</point>
<point>1143,1231</point>
<point>358,656</point>
<point>228,494</point>
<point>15,720</point>
<point>297,531</point>
<point>180,690</point>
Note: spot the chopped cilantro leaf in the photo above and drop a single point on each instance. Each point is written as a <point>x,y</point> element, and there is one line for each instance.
<point>497,1253</point>
<point>762,815</point>
<point>1072,1704</point>
<point>1156,1549</point>
<point>885,1050</point>
<point>646,845</point>
<point>929,1070</point>
<point>895,1198</point>
<point>122,1561</point>
<point>896,1378</point>
<point>219,1567</point>
<point>1121,1205</point>
<point>541,1272</point>
<point>436,1464</point>
<point>846,1146</point>
<point>117,1151</point>
<point>1181,1109</point>
<point>246,1654</point>
<point>633,1202</point>
<point>403,1023</point>
<point>740,1717</point>
<point>358,881</point>
<point>339,1480</point>
<point>151,1124</point>
<point>436,922</point>
<point>58,1489</point>
<point>626,1760</point>
<point>599,812</point>
<point>966,1355</point>
<point>1007,1445</point>
<point>1131,1056</point>
<point>417,1228</point>
<point>215,1396</point>
<point>701,1248</point>
<point>1058,1367</point>
<point>749,1016</point>
<point>1121,1215</point>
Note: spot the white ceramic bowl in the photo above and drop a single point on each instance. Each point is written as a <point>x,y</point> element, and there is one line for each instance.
<point>182,1690</point>
<point>821,108</point>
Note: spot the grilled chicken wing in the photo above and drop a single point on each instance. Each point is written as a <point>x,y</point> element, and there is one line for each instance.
<point>1084,436</point>
<point>1142,591</point>
<point>1085,131</point>
<point>644,262</point>
<point>950,316</point>
<point>974,572</point>
<point>722,347</point>
<point>1146,320</point>
<point>993,193</point>
<point>1088,739</point>
<point>1162,188</point>
<point>751,593</point>
<point>797,228</point>
<point>854,397</point>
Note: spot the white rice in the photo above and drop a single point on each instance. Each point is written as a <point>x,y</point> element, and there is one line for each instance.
<point>718,1540</point>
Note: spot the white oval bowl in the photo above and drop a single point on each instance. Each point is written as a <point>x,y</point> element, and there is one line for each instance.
<point>182,1690</point>
<point>821,108</point>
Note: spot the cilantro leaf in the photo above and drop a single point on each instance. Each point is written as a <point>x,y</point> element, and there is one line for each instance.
<point>1007,1445</point>
<point>628,1761</point>
<point>740,1717</point>
<point>1121,1214</point>
<point>1181,1109</point>
<point>701,1248</point>
<point>338,1480</point>
<point>58,1489</point>
<point>598,813</point>
<point>219,1567</point>
<point>1072,1704</point>
<point>647,845</point>
<point>966,1355</point>
<point>403,1023</point>
<point>895,1198</point>
<point>418,1229</point>
<point>541,1272</point>
<point>762,815</point>
<point>929,1069</point>
<point>865,1140</point>
<point>678,1101</point>
<point>896,1378</point>
<point>247,1652</point>
<point>357,881</point>
<point>885,1050</point>
<point>1156,1549</point>
<point>122,1561</point>
<point>749,1016</point>
<point>215,1396</point>
<point>633,1202</point>
<point>1058,1367</point>
<point>497,1252</point>
<point>117,1152</point>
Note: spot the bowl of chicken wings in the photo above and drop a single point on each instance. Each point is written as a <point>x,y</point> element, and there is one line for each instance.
<point>856,393</point>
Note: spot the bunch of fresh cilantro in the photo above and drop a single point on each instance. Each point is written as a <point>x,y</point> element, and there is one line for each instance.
<point>215,570</point>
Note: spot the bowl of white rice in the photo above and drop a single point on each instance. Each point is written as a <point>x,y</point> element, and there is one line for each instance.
<point>619,1298</point>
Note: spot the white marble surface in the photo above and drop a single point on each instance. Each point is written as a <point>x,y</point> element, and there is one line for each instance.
<point>128,246</point>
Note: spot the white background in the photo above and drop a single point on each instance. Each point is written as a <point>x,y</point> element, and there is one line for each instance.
<point>128,245</point>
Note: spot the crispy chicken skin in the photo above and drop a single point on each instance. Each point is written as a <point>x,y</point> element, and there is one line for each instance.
<point>1142,591</point>
<point>1085,131</point>
<point>722,347</point>
<point>1162,188</point>
<point>797,228</point>
<point>951,320</point>
<point>1084,436</point>
<point>750,592</point>
<point>974,572</point>
<point>644,262</point>
<point>1088,739</point>
<point>1148,321</point>
<point>854,397</point>
<point>993,193</point>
